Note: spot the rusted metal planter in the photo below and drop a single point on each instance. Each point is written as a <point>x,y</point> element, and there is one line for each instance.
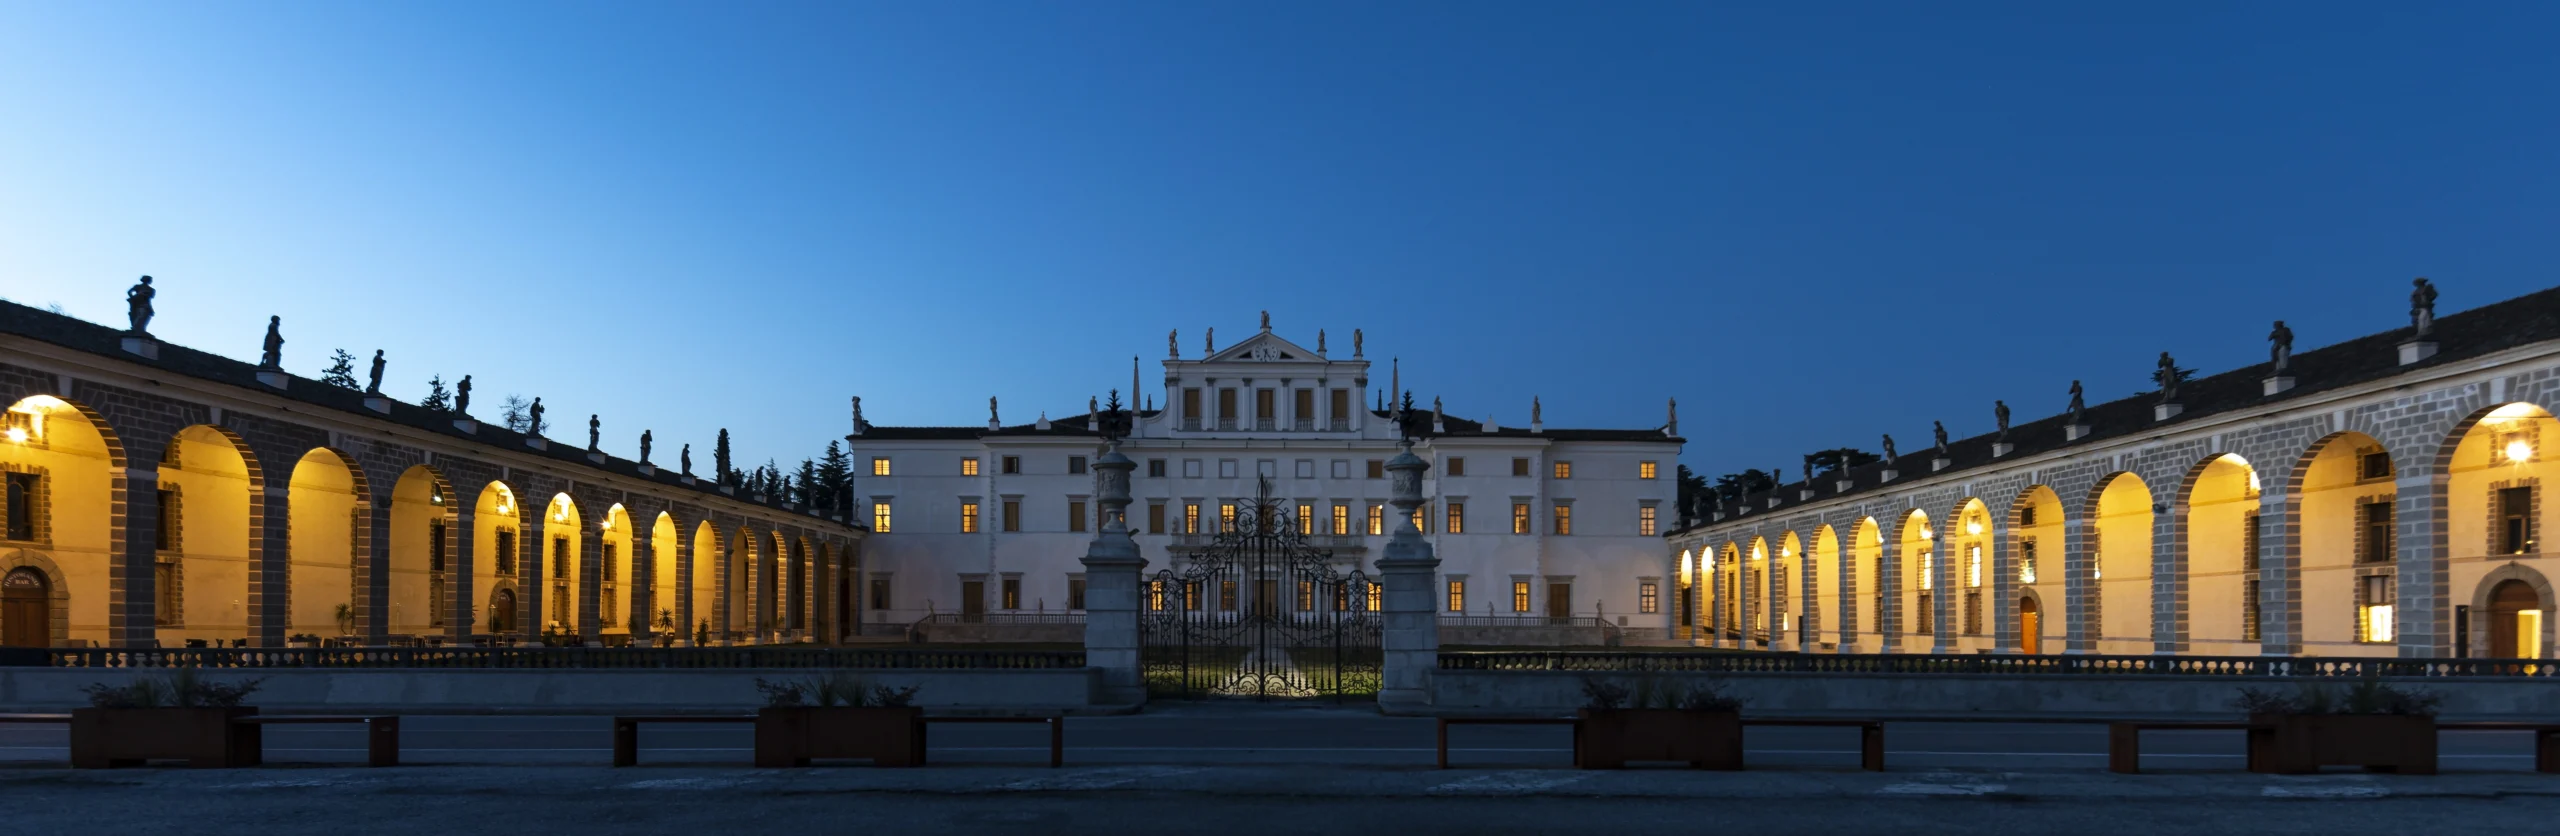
<point>1609,739</point>
<point>793,736</point>
<point>2302,743</point>
<point>203,737</point>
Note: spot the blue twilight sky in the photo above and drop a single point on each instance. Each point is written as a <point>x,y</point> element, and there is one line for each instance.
<point>1810,222</point>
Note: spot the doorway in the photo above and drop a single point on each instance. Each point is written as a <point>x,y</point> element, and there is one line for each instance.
<point>2515,621</point>
<point>502,611</point>
<point>2029,623</point>
<point>26,609</point>
<point>1559,600</point>
<point>973,601</point>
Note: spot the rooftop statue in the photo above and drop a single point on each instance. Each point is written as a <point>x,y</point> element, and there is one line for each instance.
<point>2422,307</point>
<point>462,396</point>
<point>373,386</point>
<point>2079,408</point>
<point>272,358</point>
<point>2280,348</point>
<point>137,305</point>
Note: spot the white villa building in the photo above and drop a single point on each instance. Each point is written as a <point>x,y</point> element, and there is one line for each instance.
<point>1528,521</point>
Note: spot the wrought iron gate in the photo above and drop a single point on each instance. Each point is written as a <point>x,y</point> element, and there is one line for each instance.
<point>1260,613</point>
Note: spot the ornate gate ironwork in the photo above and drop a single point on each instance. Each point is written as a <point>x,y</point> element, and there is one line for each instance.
<point>1260,613</point>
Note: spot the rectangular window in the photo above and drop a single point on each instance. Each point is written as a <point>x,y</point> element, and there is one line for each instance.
<point>1647,470</point>
<point>1306,519</point>
<point>1519,467</point>
<point>24,489</point>
<point>1519,596</point>
<point>164,534</point>
<point>1155,595</point>
<point>879,465</point>
<point>506,551</point>
<point>435,545</point>
<point>2249,610</point>
<point>1012,515</point>
<point>1457,596</point>
<point>1649,596</point>
<point>1377,520</point>
<point>164,579</point>
<point>1457,518</point>
<point>2249,542</point>
<point>1377,468</point>
<point>2027,517</point>
<point>2377,532</point>
<point>1453,466</point>
<point>1263,410</point>
<point>559,558</point>
<point>1013,593</point>
<point>1303,416</point>
<point>1191,518</point>
<point>1075,515</point>
<point>1155,468</point>
<point>1342,468</point>
<point>1227,596</point>
<point>1376,592</point>
<point>1075,465</point>
<point>1341,519</point>
<point>1155,518</point>
<point>879,593</point>
<point>1644,521</point>
<point>1564,470</point>
<point>1519,518</point>
<point>1226,409</point>
<point>1266,468</point>
<point>2376,465</point>
<point>2515,520</point>
<point>1191,468</point>
<point>1341,408</point>
<point>1226,517</point>
<point>1190,409</point>
<point>1012,465</point>
<point>1564,520</point>
<point>1306,468</point>
<point>1075,593</point>
<point>2026,561</point>
<point>1422,518</point>
<point>880,517</point>
<point>2375,596</point>
<point>968,518</point>
<point>1226,468</point>
<point>969,467</point>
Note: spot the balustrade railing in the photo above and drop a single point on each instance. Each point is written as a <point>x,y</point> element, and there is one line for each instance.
<point>2236,666</point>
<point>560,657</point>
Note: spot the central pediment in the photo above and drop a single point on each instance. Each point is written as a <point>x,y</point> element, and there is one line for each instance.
<point>1265,347</point>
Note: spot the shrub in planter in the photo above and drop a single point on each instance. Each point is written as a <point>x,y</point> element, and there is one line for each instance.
<point>1653,719</point>
<point>178,716</point>
<point>837,716</point>
<point>2370,724</point>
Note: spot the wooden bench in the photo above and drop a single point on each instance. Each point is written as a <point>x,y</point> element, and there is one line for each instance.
<point>1446,722</point>
<point>626,730</point>
<point>2546,739</point>
<point>1057,732</point>
<point>382,734</point>
<point>2124,740</point>
<point>1870,736</point>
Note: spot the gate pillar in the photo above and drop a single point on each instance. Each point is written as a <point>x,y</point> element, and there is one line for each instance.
<point>1411,632</point>
<point>1111,570</point>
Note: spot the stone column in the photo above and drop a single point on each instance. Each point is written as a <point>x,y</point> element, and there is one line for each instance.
<point>269,597</point>
<point>1111,580</point>
<point>1889,586</point>
<point>2169,561</point>
<point>459,602</point>
<point>1411,636</point>
<point>2001,562</point>
<point>1946,585</point>
<point>373,575</point>
<point>132,621</point>
<point>2079,591</point>
<point>2423,614</point>
<point>2279,623</point>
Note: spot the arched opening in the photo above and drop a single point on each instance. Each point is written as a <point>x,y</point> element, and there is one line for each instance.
<point>1916,577</point>
<point>26,608</point>
<point>798,587</point>
<point>58,462</point>
<point>1826,615</point>
<point>329,517</point>
<point>664,583</point>
<point>2344,494</point>
<point>2493,500</point>
<point>615,585</point>
<point>1755,587</point>
<point>708,625</point>
<point>211,498</point>
<point>744,560</point>
<point>422,519</point>
<point>1728,579</point>
<point>1862,593</point>
<point>1967,575</point>
<point>2121,573</point>
<point>2036,530</point>
<point>2220,558</point>
<point>1684,620</point>
<point>1782,605</point>
<point>497,562</point>
<point>2515,621</point>
<point>561,562</point>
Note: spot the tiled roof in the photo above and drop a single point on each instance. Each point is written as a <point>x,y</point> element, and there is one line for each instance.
<point>2488,329</point>
<point>79,335</point>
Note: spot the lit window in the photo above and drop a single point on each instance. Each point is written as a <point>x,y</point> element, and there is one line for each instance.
<point>1341,519</point>
<point>880,466</point>
<point>1649,594</point>
<point>1644,520</point>
<point>1928,570</point>
<point>1564,470</point>
<point>1457,596</point>
<point>1564,519</point>
<point>1646,470</point>
<point>1519,518</point>
<point>1306,519</point>
<point>2026,561</point>
<point>1973,567</point>
<point>1377,520</point>
<point>968,467</point>
<point>1421,519</point>
<point>1012,593</point>
<point>1519,596</point>
<point>1375,592</point>
<point>2376,594</point>
<point>968,518</point>
<point>1457,518</point>
<point>880,517</point>
<point>1226,517</point>
<point>1191,518</point>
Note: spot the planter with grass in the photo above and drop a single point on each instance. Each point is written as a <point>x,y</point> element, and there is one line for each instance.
<point>2370,724</point>
<point>1654,720</point>
<point>174,717</point>
<point>837,716</point>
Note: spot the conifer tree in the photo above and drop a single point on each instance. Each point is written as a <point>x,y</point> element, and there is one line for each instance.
<point>341,372</point>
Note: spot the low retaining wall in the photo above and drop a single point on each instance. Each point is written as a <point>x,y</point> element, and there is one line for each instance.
<point>568,690</point>
<point>1975,696</point>
<point>1530,636</point>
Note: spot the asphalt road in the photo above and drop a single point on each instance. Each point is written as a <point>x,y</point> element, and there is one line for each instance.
<point>1243,734</point>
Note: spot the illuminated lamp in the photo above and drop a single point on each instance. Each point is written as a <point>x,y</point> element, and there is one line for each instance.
<point>2519,451</point>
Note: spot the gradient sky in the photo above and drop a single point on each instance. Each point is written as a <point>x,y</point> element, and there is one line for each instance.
<point>1811,223</point>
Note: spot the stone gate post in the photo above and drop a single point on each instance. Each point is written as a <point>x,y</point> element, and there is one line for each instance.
<point>1111,570</point>
<point>1411,635</point>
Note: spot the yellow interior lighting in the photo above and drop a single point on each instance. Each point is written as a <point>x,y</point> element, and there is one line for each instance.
<point>2519,451</point>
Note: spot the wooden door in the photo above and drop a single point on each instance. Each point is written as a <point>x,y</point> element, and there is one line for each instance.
<point>973,600</point>
<point>2506,602</point>
<point>26,609</point>
<point>1559,600</point>
<point>2029,623</point>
